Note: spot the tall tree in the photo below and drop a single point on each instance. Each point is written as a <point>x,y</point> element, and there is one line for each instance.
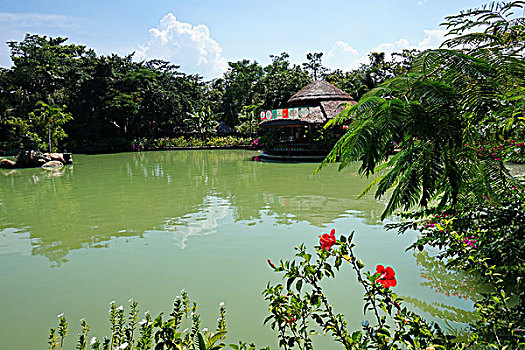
<point>281,81</point>
<point>314,66</point>
<point>242,87</point>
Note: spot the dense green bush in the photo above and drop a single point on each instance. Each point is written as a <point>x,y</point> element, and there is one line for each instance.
<point>189,142</point>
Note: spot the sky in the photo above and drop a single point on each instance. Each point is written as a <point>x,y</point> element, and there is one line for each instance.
<point>202,36</point>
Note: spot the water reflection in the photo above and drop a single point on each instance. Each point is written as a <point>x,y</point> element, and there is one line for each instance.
<point>203,222</point>
<point>459,291</point>
<point>15,241</point>
<point>444,280</point>
<point>209,220</point>
<point>117,195</point>
<point>443,311</point>
<point>516,169</point>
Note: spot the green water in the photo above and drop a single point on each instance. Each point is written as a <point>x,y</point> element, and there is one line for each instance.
<point>146,225</point>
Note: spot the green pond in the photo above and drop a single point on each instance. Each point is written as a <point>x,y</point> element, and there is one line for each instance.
<point>146,225</point>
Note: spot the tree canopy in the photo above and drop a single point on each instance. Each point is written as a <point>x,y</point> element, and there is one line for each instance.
<point>112,100</point>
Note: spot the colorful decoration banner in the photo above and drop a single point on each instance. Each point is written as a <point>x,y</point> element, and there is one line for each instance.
<point>286,113</point>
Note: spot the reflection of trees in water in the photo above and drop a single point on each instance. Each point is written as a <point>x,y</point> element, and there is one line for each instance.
<point>203,222</point>
<point>444,280</point>
<point>443,311</point>
<point>124,195</point>
<point>451,283</point>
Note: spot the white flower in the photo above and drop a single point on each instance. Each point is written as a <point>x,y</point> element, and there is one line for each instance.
<point>146,313</point>
<point>123,346</point>
<point>130,300</point>
<point>60,315</point>
<point>177,297</point>
<point>205,329</point>
<point>192,313</point>
<point>93,341</point>
<point>185,330</point>
<point>112,302</point>
<point>120,308</point>
<point>221,303</point>
<point>143,321</point>
<point>182,291</point>
<point>219,319</point>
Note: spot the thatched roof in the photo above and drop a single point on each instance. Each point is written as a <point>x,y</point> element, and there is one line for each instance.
<point>223,128</point>
<point>323,99</point>
<point>333,108</point>
<point>319,90</point>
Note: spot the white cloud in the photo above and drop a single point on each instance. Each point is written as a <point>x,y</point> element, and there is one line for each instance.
<point>343,56</point>
<point>388,48</point>
<point>186,45</point>
<point>432,40</point>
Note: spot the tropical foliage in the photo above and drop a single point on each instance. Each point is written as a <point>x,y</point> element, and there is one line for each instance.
<point>143,144</point>
<point>438,136</point>
<point>112,100</point>
<point>451,102</point>
<point>300,309</point>
<point>180,330</point>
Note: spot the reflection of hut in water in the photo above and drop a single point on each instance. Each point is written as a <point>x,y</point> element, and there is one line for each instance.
<point>296,132</point>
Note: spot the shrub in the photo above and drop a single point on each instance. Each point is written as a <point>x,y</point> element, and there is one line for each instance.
<point>180,330</point>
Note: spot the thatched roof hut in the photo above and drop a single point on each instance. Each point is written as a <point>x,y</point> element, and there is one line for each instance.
<point>223,128</point>
<point>323,100</point>
<point>317,91</point>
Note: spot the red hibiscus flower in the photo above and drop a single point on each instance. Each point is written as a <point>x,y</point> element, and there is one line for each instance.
<point>386,278</point>
<point>327,240</point>
<point>272,265</point>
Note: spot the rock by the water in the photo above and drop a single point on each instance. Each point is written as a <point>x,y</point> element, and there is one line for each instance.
<point>7,164</point>
<point>223,128</point>
<point>33,159</point>
<point>57,156</point>
<point>54,164</point>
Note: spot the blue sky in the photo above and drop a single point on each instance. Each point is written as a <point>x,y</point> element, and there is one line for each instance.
<point>203,35</point>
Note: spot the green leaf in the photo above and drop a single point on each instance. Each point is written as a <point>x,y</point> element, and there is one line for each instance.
<point>201,343</point>
<point>289,283</point>
<point>299,285</point>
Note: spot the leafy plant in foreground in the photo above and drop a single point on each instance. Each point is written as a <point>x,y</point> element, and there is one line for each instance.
<point>180,330</point>
<point>300,309</point>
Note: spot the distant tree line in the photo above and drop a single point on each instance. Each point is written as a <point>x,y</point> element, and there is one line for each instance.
<point>58,95</point>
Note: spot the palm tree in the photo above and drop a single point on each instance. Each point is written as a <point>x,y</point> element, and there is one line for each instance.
<point>452,98</point>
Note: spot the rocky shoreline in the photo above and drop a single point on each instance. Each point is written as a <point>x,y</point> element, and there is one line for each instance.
<point>36,159</point>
